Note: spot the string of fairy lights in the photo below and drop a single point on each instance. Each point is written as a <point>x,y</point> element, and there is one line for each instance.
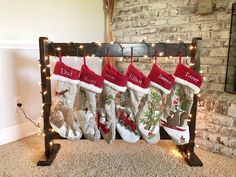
<point>48,77</point>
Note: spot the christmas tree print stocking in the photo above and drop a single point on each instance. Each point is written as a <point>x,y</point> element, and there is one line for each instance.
<point>62,118</point>
<point>179,104</point>
<point>138,88</point>
<point>161,83</point>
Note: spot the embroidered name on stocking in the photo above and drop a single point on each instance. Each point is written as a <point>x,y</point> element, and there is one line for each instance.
<point>86,78</point>
<point>164,79</point>
<point>66,73</point>
<point>135,79</point>
<point>188,75</point>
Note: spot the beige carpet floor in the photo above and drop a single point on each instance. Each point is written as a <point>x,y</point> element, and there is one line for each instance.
<point>84,158</point>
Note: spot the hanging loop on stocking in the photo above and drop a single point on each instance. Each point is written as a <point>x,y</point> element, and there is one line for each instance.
<point>108,57</point>
<point>155,59</point>
<point>84,57</point>
<point>180,57</point>
<point>131,56</point>
<point>60,56</point>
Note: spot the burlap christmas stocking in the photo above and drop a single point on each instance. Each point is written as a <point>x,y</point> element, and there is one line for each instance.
<point>148,123</point>
<point>92,84</point>
<point>114,82</point>
<point>136,103</point>
<point>62,118</point>
<point>179,104</point>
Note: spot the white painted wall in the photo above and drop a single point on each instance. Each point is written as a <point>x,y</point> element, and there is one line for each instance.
<point>22,23</point>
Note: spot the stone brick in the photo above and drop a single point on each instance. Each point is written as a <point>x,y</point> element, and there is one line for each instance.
<point>232,110</point>
<point>223,16</point>
<point>215,138</point>
<point>158,22</point>
<point>212,60</point>
<point>229,152</point>
<point>201,125</point>
<point>211,26</point>
<point>221,106</point>
<point>157,6</point>
<point>216,78</point>
<point>220,35</point>
<point>228,141</point>
<point>178,20</point>
<point>136,24</point>
<point>222,120</point>
<point>175,4</point>
<point>130,32</point>
<point>213,128</point>
<point>139,9</point>
<point>217,70</point>
<point>202,18</point>
<point>211,86</point>
<point>229,131</point>
<point>148,31</point>
<point>140,66</point>
<point>123,65</point>
<point>219,52</point>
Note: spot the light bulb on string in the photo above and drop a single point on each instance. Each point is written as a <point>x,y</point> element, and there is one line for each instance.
<point>190,116</point>
<point>197,146</point>
<point>161,54</point>
<point>153,45</point>
<point>191,64</point>
<point>51,143</point>
<point>81,46</point>
<point>58,48</point>
<point>191,47</point>
<point>111,42</point>
<point>168,41</point>
<point>46,58</point>
<point>44,70</point>
<point>188,154</point>
<point>145,56</point>
<point>179,39</point>
<point>45,92</point>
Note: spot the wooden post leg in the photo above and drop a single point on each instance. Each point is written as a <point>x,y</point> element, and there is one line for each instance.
<point>51,149</point>
<point>188,150</point>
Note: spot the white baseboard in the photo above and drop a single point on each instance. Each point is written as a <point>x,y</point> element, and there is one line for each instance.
<point>16,132</point>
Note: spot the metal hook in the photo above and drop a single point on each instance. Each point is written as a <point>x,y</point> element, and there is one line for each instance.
<point>179,49</point>
<point>164,49</point>
<point>76,48</point>
<point>54,49</point>
<point>121,47</point>
<point>144,42</point>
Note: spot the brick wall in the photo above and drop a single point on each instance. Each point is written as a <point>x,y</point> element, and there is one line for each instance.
<point>162,20</point>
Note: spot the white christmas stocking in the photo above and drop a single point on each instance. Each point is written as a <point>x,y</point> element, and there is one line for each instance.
<point>174,118</point>
<point>62,119</point>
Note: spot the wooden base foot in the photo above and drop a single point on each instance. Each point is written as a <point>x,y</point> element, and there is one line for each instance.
<point>48,161</point>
